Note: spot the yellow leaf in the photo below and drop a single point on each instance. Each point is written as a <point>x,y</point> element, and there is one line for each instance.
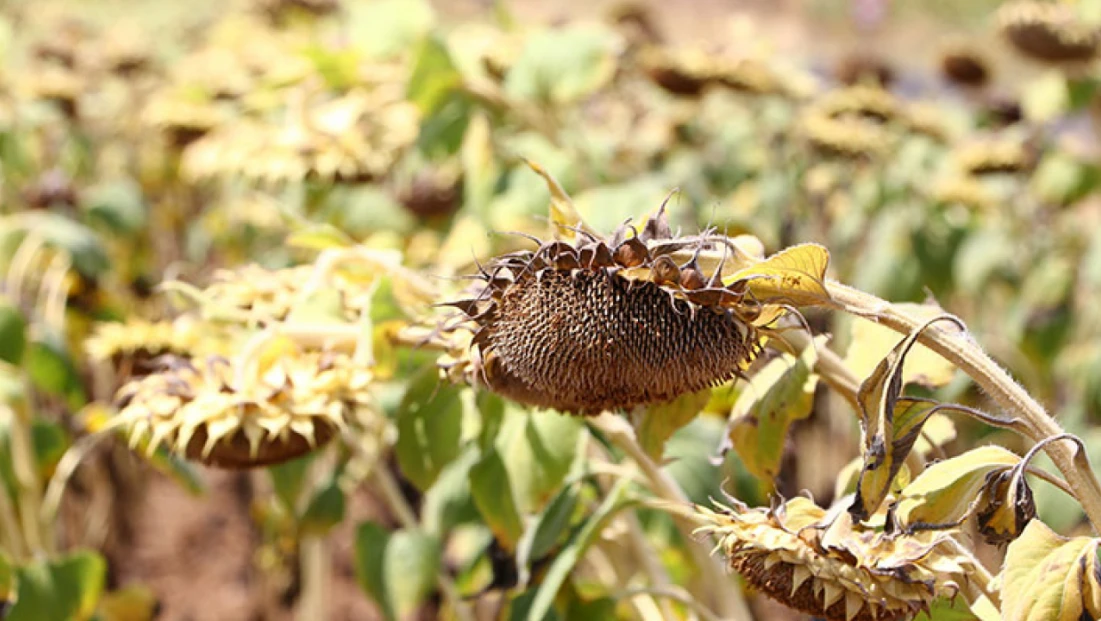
<point>779,394</point>
<point>655,424</point>
<point>1048,577</point>
<point>945,492</point>
<point>564,216</point>
<point>795,275</point>
<point>871,342</point>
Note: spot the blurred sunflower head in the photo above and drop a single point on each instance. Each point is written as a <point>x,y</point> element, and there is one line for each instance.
<point>133,346</point>
<point>963,65</point>
<point>247,413</point>
<point>845,136</point>
<point>605,323</point>
<point>993,156</point>
<point>824,565</point>
<point>1049,32</point>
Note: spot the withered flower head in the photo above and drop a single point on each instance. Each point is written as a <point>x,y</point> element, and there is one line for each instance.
<point>964,190</point>
<point>1049,32</point>
<point>824,565</point>
<point>864,68</point>
<point>132,346</point>
<point>962,65</point>
<point>605,323</point>
<point>213,412</point>
<point>267,295</point>
<point>993,156</point>
<point>844,136</point>
<point>866,102</point>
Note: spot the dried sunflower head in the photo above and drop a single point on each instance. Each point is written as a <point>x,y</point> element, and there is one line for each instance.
<point>1049,32</point>
<point>993,156</point>
<point>864,68</point>
<point>266,295</point>
<point>604,323</point>
<point>862,101</point>
<point>965,190</point>
<point>224,416</point>
<point>132,346</point>
<point>963,65</point>
<point>824,565</point>
<point>844,136</point>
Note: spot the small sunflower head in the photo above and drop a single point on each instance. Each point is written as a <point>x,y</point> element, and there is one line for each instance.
<point>1049,32</point>
<point>824,565</point>
<point>133,346</point>
<point>963,65</point>
<point>993,156</point>
<point>864,68</point>
<point>604,323</point>
<point>214,412</point>
<point>845,136</point>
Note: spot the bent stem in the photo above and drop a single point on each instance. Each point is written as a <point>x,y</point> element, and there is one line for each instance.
<point>729,601</point>
<point>963,352</point>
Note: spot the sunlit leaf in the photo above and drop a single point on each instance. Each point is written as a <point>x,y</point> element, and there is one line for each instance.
<point>397,569</point>
<point>945,492</point>
<point>429,422</point>
<point>434,76</point>
<point>795,275</point>
<point>538,448</point>
<point>872,342</point>
<point>779,394</point>
<point>655,424</point>
<point>1048,577</point>
<point>319,237</point>
<point>134,602</point>
<point>449,502</point>
<point>564,216</point>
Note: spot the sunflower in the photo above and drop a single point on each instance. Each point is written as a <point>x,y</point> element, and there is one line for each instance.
<point>825,565</point>
<point>1049,32</point>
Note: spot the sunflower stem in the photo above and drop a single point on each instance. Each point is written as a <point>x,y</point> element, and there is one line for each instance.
<point>995,381</point>
<point>728,598</point>
<point>316,576</point>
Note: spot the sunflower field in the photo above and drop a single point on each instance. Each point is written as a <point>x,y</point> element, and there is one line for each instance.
<point>498,309</point>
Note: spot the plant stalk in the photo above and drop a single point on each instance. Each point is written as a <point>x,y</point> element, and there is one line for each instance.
<point>995,381</point>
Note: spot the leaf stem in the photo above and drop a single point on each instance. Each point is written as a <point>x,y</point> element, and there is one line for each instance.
<point>962,351</point>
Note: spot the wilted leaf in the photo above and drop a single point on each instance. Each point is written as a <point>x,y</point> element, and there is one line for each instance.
<point>655,424</point>
<point>492,491</point>
<point>429,422</point>
<point>134,602</point>
<point>937,431</point>
<point>777,395</point>
<point>795,275</point>
<point>1048,577</point>
<point>1005,506</point>
<point>398,570</point>
<point>564,216</point>
<point>64,588</point>
<point>945,492</point>
<point>872,342</point>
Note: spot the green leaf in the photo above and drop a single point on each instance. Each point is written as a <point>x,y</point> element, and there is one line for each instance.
<point>324,511</point>
<point>88,255</point>
<point>565,561</point>
<point>50,441</point>
<point>118,204</point>
<point>65,588</point>
<point>398,570</point>
<point>449,501</point>
<point>9,592</point>
<point>657,423</point>
<point>319,237</point>
<point>13,332</point>
<point>429,422</point>
<point>538,449</point>
<point>778,395</point>
<point>546,530</point>
<point>562,66</point>
<point>385,28</point>
<point>288,478</point>
<point>492,491</point>
<point>434,76</point>
<point>51,369</point>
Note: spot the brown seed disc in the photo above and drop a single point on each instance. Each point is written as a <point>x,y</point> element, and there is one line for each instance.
<point>232,453</point>
<point>595,341</point>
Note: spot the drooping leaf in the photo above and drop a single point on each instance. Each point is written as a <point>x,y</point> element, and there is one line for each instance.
<point>778,395</point>
<point>491,488</point>
<point>538,448</point>
<point>795,275</point>
<point>65,588</point>
<point>564,217</point>
<point>1048,577</point>
<point>429,422</point>
<point>396,569</point>
<point>655,424</point>
<point>944,493</point>
<point>872,343</point>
